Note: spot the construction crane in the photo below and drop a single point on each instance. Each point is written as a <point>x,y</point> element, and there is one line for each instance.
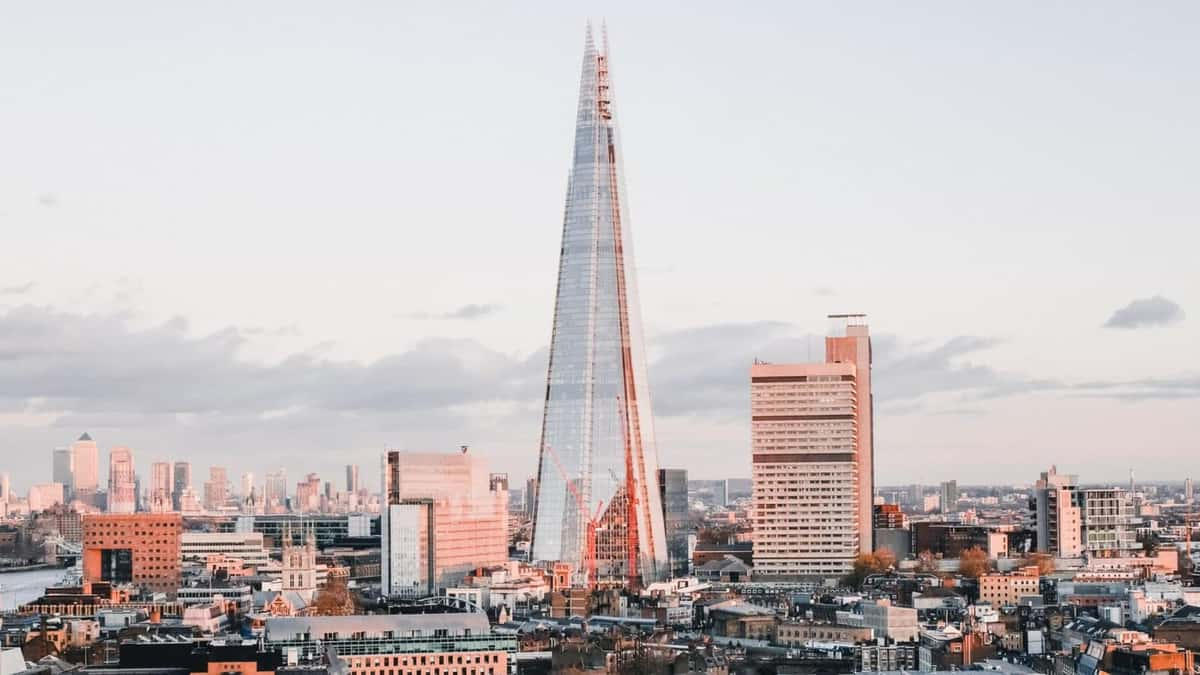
<point>589,548</point>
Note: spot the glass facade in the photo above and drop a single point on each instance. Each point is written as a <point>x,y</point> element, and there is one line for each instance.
<point>598,470</point>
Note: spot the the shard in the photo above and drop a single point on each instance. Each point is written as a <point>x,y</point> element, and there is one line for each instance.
<point>598,505</point>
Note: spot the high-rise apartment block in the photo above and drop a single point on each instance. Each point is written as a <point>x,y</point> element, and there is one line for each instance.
<point>141,549</point>
<point>442,516</point>
<point>597,502</point>
<point>812,460</point>
<point>85,477</point>
<point>1057,514</point>
<point>122,484</point>
<point>949,496</point>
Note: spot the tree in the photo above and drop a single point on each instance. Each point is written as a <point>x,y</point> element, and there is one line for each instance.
<point>335,599</point>
<point>927,563</point>
<point>973,563</point>
<point>867,564</point>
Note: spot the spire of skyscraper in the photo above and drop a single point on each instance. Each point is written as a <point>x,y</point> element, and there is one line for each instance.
<point>598,501</point>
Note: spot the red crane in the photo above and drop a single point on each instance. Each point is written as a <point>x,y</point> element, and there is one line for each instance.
<point>589,549</point>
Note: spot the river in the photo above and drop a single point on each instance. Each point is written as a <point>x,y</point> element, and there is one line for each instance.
<point>18,588</point>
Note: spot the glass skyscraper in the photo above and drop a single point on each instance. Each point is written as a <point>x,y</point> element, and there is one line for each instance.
<point>598,500</point>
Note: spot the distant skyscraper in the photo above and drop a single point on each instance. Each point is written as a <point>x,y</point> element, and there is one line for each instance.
<point>352,478</point>
<point>1058,514</point>
<point>161,488</point>
<point>85,458</point>
<point>949,501</point>
<point>122,484</point>
<point>673,489</point>
<point>598,465</point>
<point>5,487</point>
<point>442,515</point>
<point>64,468</point>
<point>216,490</point>
<point>183,484</point>
<point>1189,494</point>
<point>308,494</point>
<point>275,492</point>
<point>811,460</point>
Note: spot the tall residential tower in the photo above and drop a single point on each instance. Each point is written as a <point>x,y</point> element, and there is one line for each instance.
<point>812,459</point>
<point>598,499</point>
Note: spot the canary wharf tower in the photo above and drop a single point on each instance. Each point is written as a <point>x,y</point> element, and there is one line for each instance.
<point>597,499</point>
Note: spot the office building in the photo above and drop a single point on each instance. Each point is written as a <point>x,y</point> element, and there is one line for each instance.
<point>949,496</point>
<point>45,495</point>
<point>161,498</point>
<point>122,485</point>
<point>442,516</point>
<point>85,477</point>
<point>5,487</point>
<point>403,644</point>
<point>330,529</point>
<point>308,494</point>
<point>530,497</point>
<point>216,490</point>
<point>183,483</point>
<point>275,493</point>
<point>1189,491</point>
<point>248,547</point>
<point>673,494</point>
<point>597,446</point>
<point>141,549</point>
<point>64,469</point>
<point>352,478</point>
<point>1011,588</point>
<point>811,462</point>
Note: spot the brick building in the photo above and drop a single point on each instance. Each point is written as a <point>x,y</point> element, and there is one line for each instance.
<point>136,548</point>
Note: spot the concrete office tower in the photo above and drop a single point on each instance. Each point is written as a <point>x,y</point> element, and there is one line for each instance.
<point>949,498</point>
<point>441,517</point>
<point>1058,514</point>
<point>352,478</point>
<point>308,494</point>
<point>216,490</point>
<point>183,484</point>
<point>85,477</point>
<point>811,461</point>
<point>122,485</point>
<point>1189,494</point>
<point>64,468</point>
<point>598,500</point>
<point>5,487</point>
<point>161,500</point>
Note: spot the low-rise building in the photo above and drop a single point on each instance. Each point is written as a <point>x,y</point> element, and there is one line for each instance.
<point>1008,589</point>
<point>895,623</point>
<point>245,546</point>
<point>404,644</point>
<point>799,633</point>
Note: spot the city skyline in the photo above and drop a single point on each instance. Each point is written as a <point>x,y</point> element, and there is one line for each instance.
<point>976,354</point>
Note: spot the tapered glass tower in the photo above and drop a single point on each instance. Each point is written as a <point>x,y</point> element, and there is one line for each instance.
<point>597,499</point>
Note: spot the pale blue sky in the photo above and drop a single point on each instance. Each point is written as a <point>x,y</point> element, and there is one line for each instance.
<point>327,179</point>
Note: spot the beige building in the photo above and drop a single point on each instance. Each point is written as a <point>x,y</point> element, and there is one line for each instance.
<point>1008,589</point>
<point>1058,515</point>
<point>122,484</point>
<point>812,460</point>
<point>797,633</point>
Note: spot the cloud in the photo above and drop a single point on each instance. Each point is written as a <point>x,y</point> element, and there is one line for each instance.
<point>705,371</point>
<point>468,312</point>
<point>19,289</point>
<point>1145,389</point>
<point>1154,311</point>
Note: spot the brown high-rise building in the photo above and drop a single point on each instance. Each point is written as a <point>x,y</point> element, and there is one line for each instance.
<point>137,548</point>
<point>812,460</point>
